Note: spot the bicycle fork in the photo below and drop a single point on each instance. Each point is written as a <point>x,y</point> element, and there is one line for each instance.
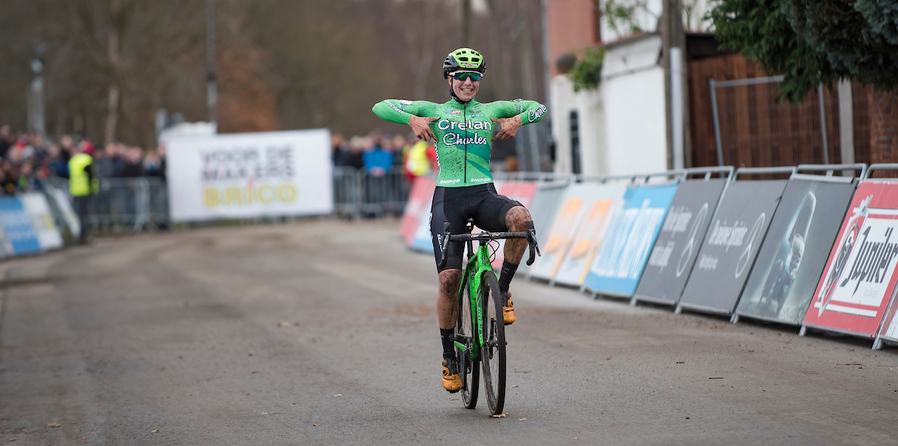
<point>476,335</point>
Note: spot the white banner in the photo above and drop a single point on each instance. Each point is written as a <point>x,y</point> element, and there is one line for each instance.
<point>250,175</point>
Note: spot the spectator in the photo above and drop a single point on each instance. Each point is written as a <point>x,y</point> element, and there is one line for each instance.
<point>419,158</point>
<point>152,164</point>
<point>339,149</point>
<point>397,143</point>
<point>160,150</point>
<point>7,138</point>
<point>26,178</point>
<point>7,177</point>
<point>133,165</point>
<point>353,158</point>
<point>82,185</point>
<point>67,147</point>
<point>104,164</point>
<point>117,155</point>
<point>377,159</point>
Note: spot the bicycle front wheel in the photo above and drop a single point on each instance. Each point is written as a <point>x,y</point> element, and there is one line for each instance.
<point>468,367</point>
<point>493,353</point>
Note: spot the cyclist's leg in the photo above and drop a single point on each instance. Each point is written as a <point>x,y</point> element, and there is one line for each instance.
<point>500,213</point>
<point>450,274</point>
<point>449,278</point>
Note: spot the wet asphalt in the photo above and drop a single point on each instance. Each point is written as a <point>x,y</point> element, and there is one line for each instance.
<point>325,332</point>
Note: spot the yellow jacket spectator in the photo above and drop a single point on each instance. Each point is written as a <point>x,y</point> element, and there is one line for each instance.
<point>82,184</point>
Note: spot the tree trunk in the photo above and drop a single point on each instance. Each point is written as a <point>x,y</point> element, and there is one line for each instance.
<point>498,60</point>
<point>114,60</point>
<point>466,23</point>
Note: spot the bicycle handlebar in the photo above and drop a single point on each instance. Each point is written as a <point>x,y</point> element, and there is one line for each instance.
<point>485,236</point>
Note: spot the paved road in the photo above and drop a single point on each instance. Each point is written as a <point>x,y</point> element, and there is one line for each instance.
<point>174,339</point>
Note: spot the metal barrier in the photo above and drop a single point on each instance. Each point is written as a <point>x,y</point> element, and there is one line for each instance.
<point>125,204</point>
<point>137,204</point>
<point>360,194</point>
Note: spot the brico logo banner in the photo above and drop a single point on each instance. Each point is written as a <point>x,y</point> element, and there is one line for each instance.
<point>250,175</point>
<point>243,176</point>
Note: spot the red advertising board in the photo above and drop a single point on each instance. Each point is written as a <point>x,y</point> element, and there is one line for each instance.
<point>859,279</point>
<point>889,330</point>
<point>418,204</point>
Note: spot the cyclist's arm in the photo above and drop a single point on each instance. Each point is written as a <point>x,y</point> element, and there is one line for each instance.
<point>417,114</point>
<point>511,115</point>
<point>399,111</point>
<point>528,111</point>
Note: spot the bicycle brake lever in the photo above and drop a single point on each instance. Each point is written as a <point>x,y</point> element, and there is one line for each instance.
<point>447,230</point>
<point>531,241</point>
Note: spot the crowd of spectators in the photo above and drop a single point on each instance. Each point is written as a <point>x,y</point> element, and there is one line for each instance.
<point>27,159</point>
<point>377,154</point>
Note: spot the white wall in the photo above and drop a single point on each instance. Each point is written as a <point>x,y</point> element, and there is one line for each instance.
<point>636,106</point>
<point>590,110</point>
<point>623,129</point>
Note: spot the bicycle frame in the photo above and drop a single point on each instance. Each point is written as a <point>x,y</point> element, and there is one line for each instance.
<point>477,263</point>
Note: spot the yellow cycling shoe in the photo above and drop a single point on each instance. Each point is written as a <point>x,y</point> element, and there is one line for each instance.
<point>451,378</point>
<point>508,310</point>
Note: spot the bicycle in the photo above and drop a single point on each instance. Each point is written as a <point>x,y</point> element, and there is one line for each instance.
<point>479,335</point>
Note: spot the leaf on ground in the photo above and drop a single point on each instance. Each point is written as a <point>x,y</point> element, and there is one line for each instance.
<point>287,324</point>
<point>54,424</point>
<point>608,358</point>
<point>501,415</point>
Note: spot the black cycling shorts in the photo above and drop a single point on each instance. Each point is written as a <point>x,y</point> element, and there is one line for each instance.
<point>456,205</point>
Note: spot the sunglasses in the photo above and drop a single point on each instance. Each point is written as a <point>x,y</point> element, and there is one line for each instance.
<point>463,75</point>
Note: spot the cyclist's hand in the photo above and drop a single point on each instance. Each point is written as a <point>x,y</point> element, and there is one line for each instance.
<point>508,127</point>
<point>421,127</point>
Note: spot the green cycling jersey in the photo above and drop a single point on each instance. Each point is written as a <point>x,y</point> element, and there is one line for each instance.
<point>464,132</point>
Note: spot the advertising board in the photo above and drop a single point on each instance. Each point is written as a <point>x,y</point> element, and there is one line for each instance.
<point>417,207</point>
<point>794,252</point>
<point>42,221</point>
<point>859,279</point>
<point>20,236</point>
<point>250,175</point>
<point>561,231</point>
<point>678,242</point>
<point>605,201</point>
<point>731,245</point>
<point>622,256</point>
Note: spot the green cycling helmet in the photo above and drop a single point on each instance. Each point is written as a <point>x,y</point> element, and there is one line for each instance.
<point>463,59</point>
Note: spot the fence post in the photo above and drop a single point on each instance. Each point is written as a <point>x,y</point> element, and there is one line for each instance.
<point>716,121</point>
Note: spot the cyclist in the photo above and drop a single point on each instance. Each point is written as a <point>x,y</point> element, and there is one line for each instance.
<point>462,129</point>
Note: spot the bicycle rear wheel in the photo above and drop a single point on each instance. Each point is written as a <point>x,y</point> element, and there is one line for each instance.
<point>464,334</point>
<point>493,353</point>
